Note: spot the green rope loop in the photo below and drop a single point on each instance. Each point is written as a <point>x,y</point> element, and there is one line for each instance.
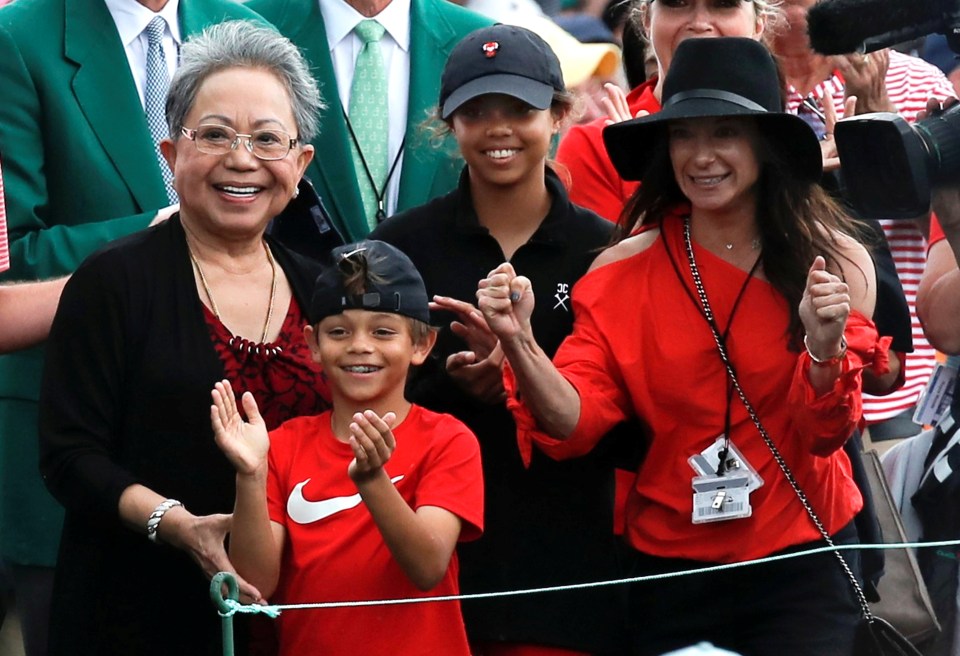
<point>251,609</point>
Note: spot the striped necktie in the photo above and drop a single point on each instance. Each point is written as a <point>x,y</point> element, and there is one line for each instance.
<point>155,97</point>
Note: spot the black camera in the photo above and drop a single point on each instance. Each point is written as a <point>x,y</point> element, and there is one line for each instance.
<point>890,166</point>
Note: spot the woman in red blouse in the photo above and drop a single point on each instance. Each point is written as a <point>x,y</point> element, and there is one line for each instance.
<point>738,246</point>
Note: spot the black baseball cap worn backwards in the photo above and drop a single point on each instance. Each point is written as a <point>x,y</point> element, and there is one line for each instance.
<point>393,283</point>
<point>500,59</point>
<point>712,77</point>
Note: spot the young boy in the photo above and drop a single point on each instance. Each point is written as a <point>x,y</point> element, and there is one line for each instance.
<point>366,501</point>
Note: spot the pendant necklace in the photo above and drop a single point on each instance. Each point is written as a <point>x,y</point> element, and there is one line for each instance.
<point>213,303</point>
<point>754,245</point>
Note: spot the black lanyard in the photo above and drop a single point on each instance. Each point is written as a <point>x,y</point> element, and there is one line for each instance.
<point>382,192</point>
<point>712,323</point>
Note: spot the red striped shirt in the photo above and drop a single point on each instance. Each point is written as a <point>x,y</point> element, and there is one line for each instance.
<point>910,83</point>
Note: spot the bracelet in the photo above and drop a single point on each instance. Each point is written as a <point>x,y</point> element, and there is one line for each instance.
<point>153,522</point>
<point>832,360</point>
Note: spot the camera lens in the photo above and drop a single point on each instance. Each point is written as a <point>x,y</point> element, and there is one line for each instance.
<point>941,135</point>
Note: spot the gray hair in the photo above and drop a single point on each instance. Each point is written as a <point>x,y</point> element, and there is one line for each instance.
<point>242,44</point>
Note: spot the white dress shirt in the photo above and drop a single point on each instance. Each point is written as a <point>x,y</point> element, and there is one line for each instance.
<point>131,19</point>
<point>340,19</point>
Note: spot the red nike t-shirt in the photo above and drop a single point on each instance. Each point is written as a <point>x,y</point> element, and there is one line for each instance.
<point>334,551</point>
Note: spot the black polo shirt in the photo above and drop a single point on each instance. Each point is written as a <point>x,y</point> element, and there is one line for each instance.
<point>550,524</point>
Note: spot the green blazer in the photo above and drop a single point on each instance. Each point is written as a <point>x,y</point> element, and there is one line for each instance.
<point>79,170</point>
<point>430,169</point>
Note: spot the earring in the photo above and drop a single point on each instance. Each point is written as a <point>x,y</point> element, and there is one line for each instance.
<point>296,192</point>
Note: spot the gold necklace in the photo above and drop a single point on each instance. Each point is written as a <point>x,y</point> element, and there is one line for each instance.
<point>213,303</point>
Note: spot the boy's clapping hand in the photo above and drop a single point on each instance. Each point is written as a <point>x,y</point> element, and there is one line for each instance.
<point>245,443</point>
<point>373,444</point>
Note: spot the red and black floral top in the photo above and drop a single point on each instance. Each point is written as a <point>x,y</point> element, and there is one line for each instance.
<point>282,375</point>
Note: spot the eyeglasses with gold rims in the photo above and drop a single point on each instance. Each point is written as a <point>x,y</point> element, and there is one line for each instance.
<point>213,139</point>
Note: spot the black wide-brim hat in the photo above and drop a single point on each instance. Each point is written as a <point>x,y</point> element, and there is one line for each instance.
<point>711,77</point>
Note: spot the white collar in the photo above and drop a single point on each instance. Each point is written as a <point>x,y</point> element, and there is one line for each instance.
<point>340,19</point>
<point>132,18</point>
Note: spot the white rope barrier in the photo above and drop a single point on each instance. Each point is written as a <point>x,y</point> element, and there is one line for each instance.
<point>275,610</point>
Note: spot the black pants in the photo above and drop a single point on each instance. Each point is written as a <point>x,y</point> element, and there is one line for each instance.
<point>801,606</point>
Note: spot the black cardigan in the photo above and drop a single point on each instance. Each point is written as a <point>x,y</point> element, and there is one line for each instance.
<point>125,399</point>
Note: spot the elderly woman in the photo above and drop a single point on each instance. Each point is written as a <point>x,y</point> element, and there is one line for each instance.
<point>737,247</point>
<point>144,329</point>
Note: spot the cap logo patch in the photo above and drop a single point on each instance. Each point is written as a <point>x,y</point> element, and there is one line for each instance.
<point>490,49</point>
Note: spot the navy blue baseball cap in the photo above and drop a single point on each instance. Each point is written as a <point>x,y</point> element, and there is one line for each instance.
<point>500,59</point>
<point>391,283</point>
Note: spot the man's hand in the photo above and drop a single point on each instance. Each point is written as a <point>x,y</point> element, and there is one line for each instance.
<point>865,76</point>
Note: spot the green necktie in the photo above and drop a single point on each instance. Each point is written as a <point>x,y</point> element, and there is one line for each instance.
<point>368,119</point>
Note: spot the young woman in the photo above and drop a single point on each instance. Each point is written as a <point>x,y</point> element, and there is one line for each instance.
<point>594,182</point>
<point>503,98</point>
<point>736,237</point>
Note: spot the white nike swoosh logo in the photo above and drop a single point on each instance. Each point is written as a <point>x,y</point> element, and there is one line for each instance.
<point>303,511</point>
